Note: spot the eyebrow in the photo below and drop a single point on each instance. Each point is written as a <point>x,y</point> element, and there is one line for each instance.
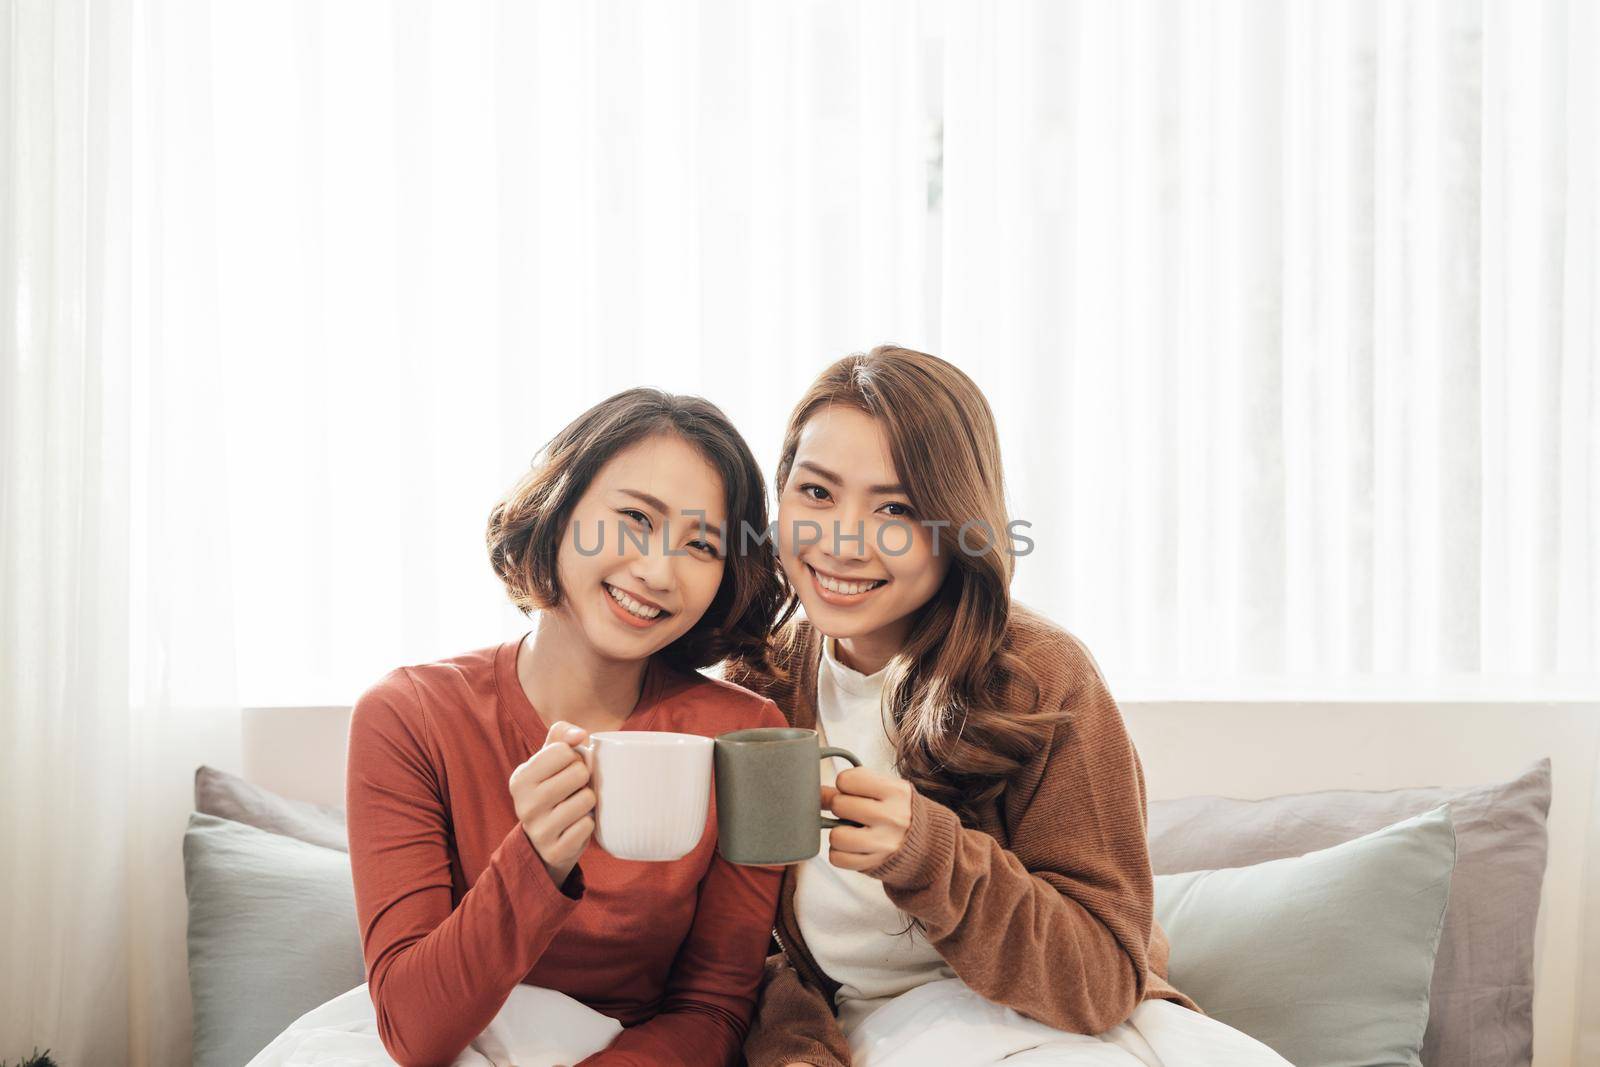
<point>661,507</point>
<point>824,472</point>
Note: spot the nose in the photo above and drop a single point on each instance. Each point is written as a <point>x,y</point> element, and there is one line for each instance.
<point>847,542</point>
<point>653,566</point>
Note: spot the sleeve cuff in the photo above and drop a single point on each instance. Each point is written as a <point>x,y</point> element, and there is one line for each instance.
<point>802,1050</point>
<point>816,1056</point>
<point>525,872</point>
<point>930,846</point>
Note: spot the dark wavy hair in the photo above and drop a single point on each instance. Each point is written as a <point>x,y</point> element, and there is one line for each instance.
<point>527,525</point>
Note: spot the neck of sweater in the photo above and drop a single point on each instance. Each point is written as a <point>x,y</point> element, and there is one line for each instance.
<point>847,678</point>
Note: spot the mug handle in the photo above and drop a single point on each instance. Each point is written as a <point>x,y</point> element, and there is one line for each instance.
<point>826,753</point>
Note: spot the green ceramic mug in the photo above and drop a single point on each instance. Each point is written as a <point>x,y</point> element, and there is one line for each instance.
<point>769,793</point>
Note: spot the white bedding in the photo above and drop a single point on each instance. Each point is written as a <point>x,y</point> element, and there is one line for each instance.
<point>946,1023</point>
<point>535,1028</point>
<point>943,1022</point>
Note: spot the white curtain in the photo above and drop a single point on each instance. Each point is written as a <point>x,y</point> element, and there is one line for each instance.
<point>1286,311</point>
<point>116,619</point>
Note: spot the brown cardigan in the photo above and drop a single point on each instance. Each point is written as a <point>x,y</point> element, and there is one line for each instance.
<point>1047,906</point>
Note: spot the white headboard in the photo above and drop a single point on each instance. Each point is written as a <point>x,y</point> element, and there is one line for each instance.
<point>298,752</point>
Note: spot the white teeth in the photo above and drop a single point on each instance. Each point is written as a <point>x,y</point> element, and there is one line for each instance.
<point>633,606</point>
<point>833,585</point>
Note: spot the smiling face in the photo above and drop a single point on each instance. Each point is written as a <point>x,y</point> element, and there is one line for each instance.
<point>658,566</point>
<point>843,481</point>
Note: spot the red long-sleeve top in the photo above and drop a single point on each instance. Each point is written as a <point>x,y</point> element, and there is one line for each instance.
<point>456,907</point>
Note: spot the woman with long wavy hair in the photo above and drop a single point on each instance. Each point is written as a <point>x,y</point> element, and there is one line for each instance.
<point>996,900</point>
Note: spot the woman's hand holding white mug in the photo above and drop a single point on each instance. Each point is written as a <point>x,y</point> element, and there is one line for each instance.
<point>554,802</point>
<point>881,804</point>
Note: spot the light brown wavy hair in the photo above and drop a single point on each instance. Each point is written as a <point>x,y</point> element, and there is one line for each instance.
<point>950,686</point>
<point>526,526</point>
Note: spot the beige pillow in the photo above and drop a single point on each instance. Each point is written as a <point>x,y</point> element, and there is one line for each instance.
<point>228,796</point>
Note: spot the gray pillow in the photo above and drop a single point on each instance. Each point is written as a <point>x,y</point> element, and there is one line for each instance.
<point>230,797</point>
<point>272,934</point>
<point>1326,957</point>
<point>1481,1006</point>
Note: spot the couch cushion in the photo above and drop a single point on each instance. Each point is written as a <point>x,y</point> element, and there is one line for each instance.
<point>272,934</point>
<point>1326,957</point>
<point>1481,1005</point>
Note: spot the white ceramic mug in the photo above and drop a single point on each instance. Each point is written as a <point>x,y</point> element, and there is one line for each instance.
<point>652,790</point>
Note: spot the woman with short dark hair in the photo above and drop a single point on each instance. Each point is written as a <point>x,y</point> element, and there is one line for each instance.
<point>470,812</point>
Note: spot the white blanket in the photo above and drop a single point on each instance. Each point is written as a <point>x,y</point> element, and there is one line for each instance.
<point>943,1022</point>
<point>535,1028</point>
<point>946,1023</point>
